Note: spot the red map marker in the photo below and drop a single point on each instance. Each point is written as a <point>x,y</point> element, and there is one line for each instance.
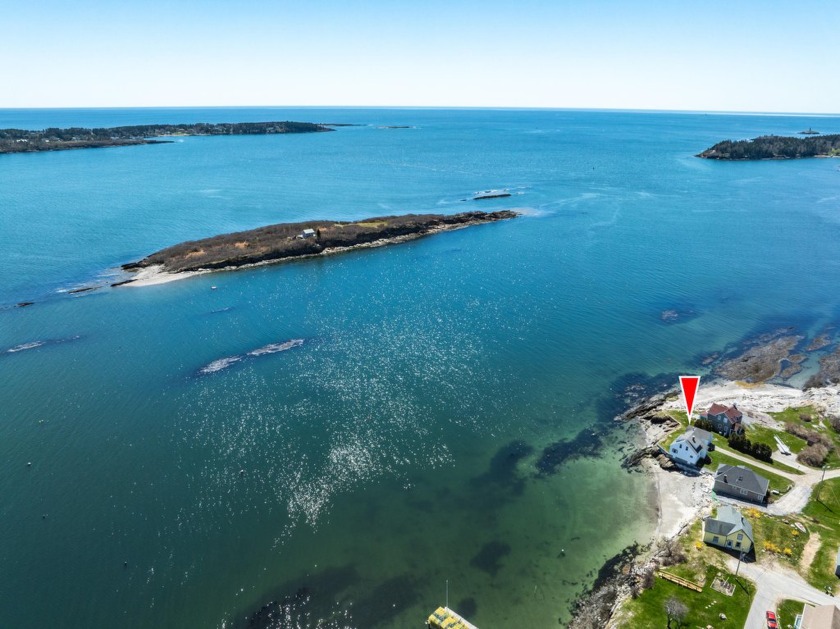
<point>689,385</point>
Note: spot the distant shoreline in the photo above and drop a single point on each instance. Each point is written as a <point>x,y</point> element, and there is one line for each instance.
<point>774,147</point>
<point>55,139</point>
<point>292,241</point>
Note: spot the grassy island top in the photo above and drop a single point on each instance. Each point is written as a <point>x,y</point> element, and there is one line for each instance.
<point>292,240</point>
<point>54,139</point>
<point>774,147</point>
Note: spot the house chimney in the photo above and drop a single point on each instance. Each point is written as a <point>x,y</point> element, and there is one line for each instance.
<point>725,480</point>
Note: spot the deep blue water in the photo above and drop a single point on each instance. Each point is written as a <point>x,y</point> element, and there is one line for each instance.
<point>348,477</point>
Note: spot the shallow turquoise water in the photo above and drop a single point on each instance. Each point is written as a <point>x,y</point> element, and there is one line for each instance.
<point>348,478</point>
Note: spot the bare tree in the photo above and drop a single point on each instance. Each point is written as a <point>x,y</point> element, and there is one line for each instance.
<point>676,610</point>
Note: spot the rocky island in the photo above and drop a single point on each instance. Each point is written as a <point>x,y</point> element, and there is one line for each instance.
<point>285,241</point>
<point>54,139</point>
<point>774,147</point>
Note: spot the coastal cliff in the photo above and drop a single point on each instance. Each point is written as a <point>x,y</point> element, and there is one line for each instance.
<point>55,139</point>
<point>284,241</point>
<point>774,147</point>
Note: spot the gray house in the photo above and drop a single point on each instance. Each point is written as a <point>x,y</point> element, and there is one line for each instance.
<point>741,482</point>
<point>724,420</point>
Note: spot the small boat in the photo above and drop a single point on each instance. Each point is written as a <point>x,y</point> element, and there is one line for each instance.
<point>445,618</point>
<point>490,194</point>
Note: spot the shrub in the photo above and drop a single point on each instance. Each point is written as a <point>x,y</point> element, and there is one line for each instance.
<point>805,417</point>
<point>811,436</point>
<point>705,424</point>
<point>770,547</point>
<point>645,581</point>
<point>671,553</point>
<point>760,451</point>
<point>814,455</point>
<point>834,421</point>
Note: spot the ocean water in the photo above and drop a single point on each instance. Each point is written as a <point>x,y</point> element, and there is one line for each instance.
<point>398,439</point>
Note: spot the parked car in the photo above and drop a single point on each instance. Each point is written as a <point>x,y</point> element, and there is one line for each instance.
<point>772,623</point>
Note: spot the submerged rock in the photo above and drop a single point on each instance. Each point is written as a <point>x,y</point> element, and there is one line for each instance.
<point>761,362</point>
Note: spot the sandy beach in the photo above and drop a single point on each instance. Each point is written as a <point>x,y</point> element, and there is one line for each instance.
<point>153,275</point>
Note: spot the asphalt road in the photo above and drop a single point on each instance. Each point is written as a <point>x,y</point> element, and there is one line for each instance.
<point>772,585</point>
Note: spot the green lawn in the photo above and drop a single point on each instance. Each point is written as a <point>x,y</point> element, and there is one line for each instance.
<point>818,423</point>
<point>762,434</point>
<point>704,608</point>
<point>823,509</point>
<point>787,611</point>
<point>792,415</point>
<point>777,536</point>
<point>778,483</point>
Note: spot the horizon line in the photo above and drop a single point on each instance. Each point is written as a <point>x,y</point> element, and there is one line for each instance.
<point>438,108</point>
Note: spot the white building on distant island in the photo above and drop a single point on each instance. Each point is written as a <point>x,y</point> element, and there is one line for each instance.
<point>691,447</point>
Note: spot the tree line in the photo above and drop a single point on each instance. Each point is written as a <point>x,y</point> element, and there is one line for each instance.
<point>133,132</point>
<point>774,147</point>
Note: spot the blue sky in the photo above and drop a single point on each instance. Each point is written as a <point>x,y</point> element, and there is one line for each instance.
<point>738,55</point>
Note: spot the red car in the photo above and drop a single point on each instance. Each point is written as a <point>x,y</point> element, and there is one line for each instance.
<point>771,621</point>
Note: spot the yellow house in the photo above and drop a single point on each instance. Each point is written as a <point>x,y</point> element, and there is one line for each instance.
<point>729,529</point>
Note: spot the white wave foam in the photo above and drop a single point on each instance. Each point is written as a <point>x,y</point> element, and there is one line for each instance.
<point>218,365</point>
<point>273,348</point>
<point>24,346</point>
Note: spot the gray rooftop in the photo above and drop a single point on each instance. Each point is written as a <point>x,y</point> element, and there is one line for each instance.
<point>697,438</point>
<point>702,435</point>
<point>741,477</point>
<point>729,520</point>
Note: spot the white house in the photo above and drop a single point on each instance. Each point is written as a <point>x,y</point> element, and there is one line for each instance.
<point>691,447</point>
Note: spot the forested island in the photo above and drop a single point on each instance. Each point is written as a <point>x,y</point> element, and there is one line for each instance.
<point>774,147</point>
<point>285,241</point>
<point>54,139</point>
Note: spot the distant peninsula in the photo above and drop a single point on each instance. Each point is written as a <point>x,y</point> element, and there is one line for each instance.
<point>286,241</point>
<point>774,147</point>
<point>54,139</point>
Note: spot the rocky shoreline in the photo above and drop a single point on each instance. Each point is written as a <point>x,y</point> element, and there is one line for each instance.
<point>632,569</point>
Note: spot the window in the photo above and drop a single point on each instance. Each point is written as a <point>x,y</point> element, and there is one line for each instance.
<point>716,539</point>
<point>737,544</point>
<point>740,536</point>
